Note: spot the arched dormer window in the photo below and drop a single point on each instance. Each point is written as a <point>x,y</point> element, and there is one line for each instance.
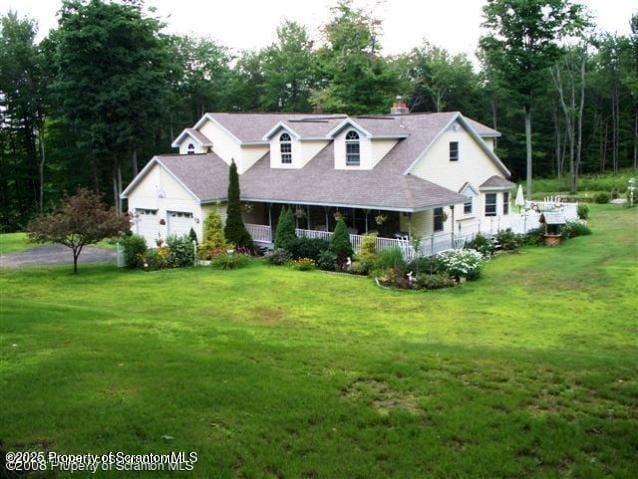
<point>285,147</point>
<point>191,149</point>
<point>353,156</point>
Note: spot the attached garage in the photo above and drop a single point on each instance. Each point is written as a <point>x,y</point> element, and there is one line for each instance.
<point>179,223</point>
<point>146,224</point>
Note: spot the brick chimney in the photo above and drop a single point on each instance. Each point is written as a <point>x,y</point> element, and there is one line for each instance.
<point>399,107</point>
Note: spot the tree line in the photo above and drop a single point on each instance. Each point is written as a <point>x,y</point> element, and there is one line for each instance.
<point>105,90</point>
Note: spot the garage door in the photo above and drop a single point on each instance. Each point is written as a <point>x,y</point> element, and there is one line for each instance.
<point>147,225</point>
<point>179,222</point>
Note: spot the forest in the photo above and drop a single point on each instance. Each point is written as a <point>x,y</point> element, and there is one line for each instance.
<point>108,88</point>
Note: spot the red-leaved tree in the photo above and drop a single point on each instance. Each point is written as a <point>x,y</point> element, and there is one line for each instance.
<point>81,220</point>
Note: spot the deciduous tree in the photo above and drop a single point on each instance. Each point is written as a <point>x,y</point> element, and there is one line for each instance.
<point>82,219</point>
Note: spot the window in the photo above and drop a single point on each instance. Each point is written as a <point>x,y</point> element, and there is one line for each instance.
<point>285,146</point>
<point>467,206</point>
<point>353,157</point>
<point>144,211</point>
<point>454,151</point>
<point>438,219</point>
<point>490,204</point>
<point>506,203</point>
<point>191,149</point>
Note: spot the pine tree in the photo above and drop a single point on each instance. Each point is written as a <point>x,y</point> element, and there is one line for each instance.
<point>213,241</point>
<point>285,229</point>
<point>235,230</point>
<point>340,243</point>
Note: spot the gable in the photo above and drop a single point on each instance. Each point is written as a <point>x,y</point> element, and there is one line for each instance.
<point>156,182</point>
<point>475,165</point>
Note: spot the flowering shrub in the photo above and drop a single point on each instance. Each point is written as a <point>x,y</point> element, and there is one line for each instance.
<point>482,244</point>
<point>304,264</point>
<point>463,263</point>
<point>279,256</point>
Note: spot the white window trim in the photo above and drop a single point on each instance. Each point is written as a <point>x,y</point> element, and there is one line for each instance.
<point>352,141</point>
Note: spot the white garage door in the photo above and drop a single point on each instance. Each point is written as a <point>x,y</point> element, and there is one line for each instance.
<point>147,225</point>
<point>179,222</point>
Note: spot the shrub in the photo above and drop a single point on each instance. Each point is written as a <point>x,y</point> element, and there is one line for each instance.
<point>534,237</point>
<point>509,240</point>
<point>193,236</point>
<point>235,230</point>
<point>308,248</point>
<point>462,263</point>
<point>134,247</point>
<point>362,266</point>
<point>602,198</point>
<point>230,261</point>
<point>340,243</point>
<point>304,264</point>
<point>279,256</point>
<point>426,265</point>
<point>395,278</point>
<point>285,234</point>
<point>390,258</point>
<point>434,281</point>
<point>574,228</point>
<point>327,261</point>
<point>213,242</point>
<point>155,258</point>
<point>368,250</point>
<point>482,244</point>
<point>583,211</point>
<point>180,251</point>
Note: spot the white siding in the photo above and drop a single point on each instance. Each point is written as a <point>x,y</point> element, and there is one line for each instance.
<point>371,151</point>
<point>159,191</point>
<point>228,148</point>
<point>473,165</point>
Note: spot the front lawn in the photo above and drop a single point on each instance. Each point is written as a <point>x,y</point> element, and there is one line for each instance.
<point>13,242</point>
<point>269,372</point>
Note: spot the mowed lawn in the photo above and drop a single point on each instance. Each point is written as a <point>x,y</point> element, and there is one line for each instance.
<point>532,371</point>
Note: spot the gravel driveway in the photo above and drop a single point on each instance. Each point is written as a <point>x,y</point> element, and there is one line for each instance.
<point>55,254</point>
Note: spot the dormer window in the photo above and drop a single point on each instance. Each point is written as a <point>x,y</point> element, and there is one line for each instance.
<point>285,147</point>
<point>353,156</point>
<point>191,149</point>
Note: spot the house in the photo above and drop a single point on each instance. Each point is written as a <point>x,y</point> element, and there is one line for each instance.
<point>427,175</point>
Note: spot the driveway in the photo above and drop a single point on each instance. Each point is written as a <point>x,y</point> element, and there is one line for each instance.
<point>55,254</point>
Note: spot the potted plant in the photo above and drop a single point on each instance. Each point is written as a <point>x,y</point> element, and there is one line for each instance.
<point>380,219</point>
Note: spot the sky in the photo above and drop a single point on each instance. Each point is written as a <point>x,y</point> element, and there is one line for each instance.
<point>251,24</point>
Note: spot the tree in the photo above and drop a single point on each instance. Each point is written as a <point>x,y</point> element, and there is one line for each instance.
<point>289,69</point>
<point>523,43</point>
<point>213,241</point>
<point>357,79</point>
<point>23,105</point>
<point>340,243</point>
<point>235,231</point>
<point>569,80</point>
<point>82,219</point>
<point>286,235</point>
<point>439,81</point>
<point>112,70</point>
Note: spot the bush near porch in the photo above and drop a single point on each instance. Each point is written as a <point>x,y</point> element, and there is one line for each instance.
<point>268,371</point>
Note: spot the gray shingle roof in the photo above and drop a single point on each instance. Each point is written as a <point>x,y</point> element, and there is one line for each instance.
<point>482,129</point>
<point>203,139</point>
<point>497,181</point>
<point>318,182</point>
<point>386,186</point>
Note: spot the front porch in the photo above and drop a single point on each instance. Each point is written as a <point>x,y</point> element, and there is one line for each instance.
<point>394,228</point>
<point>406,231</point>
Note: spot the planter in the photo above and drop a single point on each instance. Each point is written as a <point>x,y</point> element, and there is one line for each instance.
<point>551,240</point>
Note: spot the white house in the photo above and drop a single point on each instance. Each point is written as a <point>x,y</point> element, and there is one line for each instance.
<point>426,175</point>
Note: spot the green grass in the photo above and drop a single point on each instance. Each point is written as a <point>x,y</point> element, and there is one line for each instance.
<point>590,183</point>
<point>13,242</point>
<point>532,371</point>
<point>17,242</point>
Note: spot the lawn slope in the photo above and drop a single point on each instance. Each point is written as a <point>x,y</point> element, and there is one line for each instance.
<point>267,372</point>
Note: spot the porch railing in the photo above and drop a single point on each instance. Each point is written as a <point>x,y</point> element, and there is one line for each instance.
<point>438,242</point>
